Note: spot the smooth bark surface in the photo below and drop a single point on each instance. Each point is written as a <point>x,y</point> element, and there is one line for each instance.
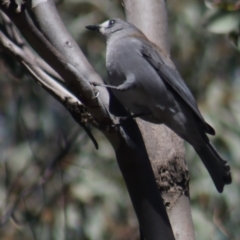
<point>165,148</point>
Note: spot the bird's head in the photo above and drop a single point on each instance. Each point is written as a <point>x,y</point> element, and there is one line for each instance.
<point>111,27</point>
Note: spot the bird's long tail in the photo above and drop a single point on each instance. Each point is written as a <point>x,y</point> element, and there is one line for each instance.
<point>216,166</point>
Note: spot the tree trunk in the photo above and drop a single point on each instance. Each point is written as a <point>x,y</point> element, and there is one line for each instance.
<point>165,149</point>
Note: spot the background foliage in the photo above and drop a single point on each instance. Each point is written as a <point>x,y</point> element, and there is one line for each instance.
<point>62,188</point>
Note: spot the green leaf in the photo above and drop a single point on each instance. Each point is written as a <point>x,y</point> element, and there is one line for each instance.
<point>221,22</point>
<point>232,5</point>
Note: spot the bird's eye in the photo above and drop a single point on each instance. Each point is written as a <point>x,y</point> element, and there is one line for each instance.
<point>111,23</point>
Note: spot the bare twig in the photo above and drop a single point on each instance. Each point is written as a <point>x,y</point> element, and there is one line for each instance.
<point>10,31</point>
<point>75,80</point>
<point>28,59</point>
<point>47,173</point>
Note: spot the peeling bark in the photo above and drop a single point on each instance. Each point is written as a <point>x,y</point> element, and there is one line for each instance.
<point>165,149</point>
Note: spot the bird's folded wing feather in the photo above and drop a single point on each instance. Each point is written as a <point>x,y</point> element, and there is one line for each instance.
<point>168,73</point>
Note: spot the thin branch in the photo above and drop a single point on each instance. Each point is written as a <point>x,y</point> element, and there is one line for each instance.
<point>47,173</point>
<point>49,84</point>
<point>28,61</point>
<point>10,31</point>
<point>75,80</point>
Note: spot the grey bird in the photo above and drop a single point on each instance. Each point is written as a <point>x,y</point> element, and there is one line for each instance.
<point>147,83</point>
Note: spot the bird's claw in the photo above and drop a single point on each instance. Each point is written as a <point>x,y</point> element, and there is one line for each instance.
<point>96,95</point>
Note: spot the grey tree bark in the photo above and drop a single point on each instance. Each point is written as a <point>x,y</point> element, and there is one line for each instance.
<point>165,149</point>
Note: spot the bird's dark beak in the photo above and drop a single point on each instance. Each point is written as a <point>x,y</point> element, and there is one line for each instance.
<point>93,27</point>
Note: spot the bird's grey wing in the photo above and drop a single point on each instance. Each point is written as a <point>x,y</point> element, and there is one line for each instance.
<point>168,73</point>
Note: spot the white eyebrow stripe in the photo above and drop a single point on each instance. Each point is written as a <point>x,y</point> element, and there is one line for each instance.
<point>105,24</point>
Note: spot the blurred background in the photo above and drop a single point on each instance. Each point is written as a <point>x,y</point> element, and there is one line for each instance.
<point>53,182</point>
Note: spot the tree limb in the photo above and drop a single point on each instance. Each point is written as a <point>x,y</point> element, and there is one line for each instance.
<point>31,63</point>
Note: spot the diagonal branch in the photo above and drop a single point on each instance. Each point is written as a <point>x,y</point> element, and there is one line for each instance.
<point>74,79</point>
<point>30,62</point>
<point>11,32</point>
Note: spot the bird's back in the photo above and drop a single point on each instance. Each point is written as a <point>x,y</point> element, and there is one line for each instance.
<point>124,58</point>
